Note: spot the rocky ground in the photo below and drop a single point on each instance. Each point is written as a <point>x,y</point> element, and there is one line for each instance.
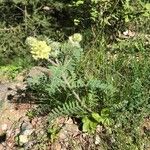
<point>20,132</point>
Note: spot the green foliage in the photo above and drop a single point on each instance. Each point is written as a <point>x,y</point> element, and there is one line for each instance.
<point>105,15</point>
<point>88,125</point>
<point>126,67</point>
<point>10,71</point>
<point>26,18</point>
<point>70,108</point>
<point>56,19</point>
<point>31,114</point>
<point>90,122</point>
<point>11,44</point>
<point>116,97</point>
<point>111,73</point>
<point>53,131</point>
<point>67,91</point>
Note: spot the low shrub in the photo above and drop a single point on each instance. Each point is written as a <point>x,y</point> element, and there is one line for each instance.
<point>103,79</point>
<point>117,97</point>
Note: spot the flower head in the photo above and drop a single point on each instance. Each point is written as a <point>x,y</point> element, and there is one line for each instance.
<point>39,49</point>
<point>75,39</point>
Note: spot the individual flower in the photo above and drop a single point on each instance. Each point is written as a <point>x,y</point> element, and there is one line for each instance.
<point>75,39</point>
<point>39,49</point>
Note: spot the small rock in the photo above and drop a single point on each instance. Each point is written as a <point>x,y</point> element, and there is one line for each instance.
<point>9,144</point>
<point>60,121</point>
<point>9,133</point>
<point>69,121</point>
<point>34,122</point>
<point>129,33</point>
<point>26,126</point>
<point>69,130</point>
<point>23,139</point>
<point>99,129</point>
<point>17,131</point>
<point>4,127</point>
<point>28,132</point>
<point>56,146</point>
<point>42,132</point>
<point>46,8</point>
<point>20,77</point>
<point>84,135</point>
<point>38,71</point>
<point>29,145</point>
<point>1,146</point>
<point>97,140</point>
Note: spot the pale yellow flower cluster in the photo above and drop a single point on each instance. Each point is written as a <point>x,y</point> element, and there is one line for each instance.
<point>75,39</point>
<point>39,49</point>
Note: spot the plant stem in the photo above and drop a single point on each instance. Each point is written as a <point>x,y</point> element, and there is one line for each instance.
<point>68,84</point>
<point>52,62</point>
<point>74,93</point>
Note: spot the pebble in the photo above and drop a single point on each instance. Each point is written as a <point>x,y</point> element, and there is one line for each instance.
<point>4,127</point>
<point>97,140</point>
<point>28,132</point>
<point>23,139</point>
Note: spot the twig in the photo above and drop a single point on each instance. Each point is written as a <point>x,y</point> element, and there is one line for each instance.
<point>52,62</point>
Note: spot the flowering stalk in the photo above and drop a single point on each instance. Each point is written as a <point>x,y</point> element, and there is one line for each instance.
<point>40,50</point>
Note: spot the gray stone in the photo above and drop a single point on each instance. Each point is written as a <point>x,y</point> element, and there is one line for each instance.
<point>38,71</point>
<point>4,89</point>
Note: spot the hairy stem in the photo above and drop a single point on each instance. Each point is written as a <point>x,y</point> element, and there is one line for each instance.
<point>68,84</point>
<point>52,62</point>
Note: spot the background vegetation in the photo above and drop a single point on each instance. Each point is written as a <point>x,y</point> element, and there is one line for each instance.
<point>118,61</point>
